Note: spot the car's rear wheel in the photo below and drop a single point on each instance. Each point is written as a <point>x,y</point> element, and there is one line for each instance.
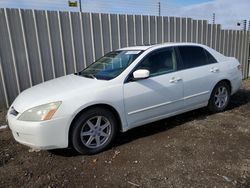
<point>220,97</point>
<point>93,131</point>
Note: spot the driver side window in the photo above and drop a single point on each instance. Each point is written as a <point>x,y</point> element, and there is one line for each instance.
<point>159,62</point>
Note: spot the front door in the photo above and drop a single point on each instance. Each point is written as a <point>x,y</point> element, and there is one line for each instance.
<point>157,96</point>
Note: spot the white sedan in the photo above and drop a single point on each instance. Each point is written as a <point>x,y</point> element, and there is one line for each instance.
<point>124,89</point>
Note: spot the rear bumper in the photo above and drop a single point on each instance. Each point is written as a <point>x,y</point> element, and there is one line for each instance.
<point>236,83</point>
<point>44,135</point>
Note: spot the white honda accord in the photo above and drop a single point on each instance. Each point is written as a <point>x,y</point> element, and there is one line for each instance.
<point>124,89</point>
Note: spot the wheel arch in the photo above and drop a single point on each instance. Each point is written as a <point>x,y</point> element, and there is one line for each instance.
<point>211,102</point>
<point>227,81</point>
<point>100,105</point>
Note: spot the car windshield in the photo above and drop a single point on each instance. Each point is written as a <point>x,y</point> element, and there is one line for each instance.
<point>110,65</point>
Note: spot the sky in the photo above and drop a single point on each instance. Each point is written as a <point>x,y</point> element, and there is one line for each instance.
<point>227,12</point>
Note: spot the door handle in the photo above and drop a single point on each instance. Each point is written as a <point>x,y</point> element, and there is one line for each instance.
<point>214,69</point>
<point>174,80</point>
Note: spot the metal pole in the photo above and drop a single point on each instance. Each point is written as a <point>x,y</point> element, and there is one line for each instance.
<point>159,8</point>
<point>244,25</point>
<point>213,18</point>
<point>80,5</point>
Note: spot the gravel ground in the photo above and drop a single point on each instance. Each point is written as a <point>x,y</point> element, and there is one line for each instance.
<point>195,149</point>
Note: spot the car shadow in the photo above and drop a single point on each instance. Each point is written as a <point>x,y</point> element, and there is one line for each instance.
<point>242,97</point>
<point>65,152</point>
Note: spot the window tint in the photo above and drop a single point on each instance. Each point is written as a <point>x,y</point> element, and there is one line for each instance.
<point>159,62</point>
<point>210,58</point>
<point>193,56</point>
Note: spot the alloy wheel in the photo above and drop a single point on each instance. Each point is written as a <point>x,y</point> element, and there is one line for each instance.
<point>95,131</point>
<point>221,97</point>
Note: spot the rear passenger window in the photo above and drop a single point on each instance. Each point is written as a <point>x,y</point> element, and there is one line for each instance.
<point>193,56</point>
<point>210,58</point>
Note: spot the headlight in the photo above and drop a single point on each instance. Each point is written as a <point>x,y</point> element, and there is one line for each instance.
<point>40,113</point>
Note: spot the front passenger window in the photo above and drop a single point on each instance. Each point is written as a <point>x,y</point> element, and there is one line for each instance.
<point>159,62</point>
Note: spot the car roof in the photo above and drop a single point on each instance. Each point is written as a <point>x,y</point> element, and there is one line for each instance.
<point>136,48</point>
<point>155,46</point>
<point>217,55</point>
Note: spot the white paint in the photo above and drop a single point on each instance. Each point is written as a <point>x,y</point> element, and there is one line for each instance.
<point>133,52</point>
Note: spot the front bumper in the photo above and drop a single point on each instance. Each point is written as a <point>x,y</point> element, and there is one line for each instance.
<point>44,135</point>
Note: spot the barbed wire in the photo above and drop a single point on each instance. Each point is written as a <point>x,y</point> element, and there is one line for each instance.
<point>108,6</point>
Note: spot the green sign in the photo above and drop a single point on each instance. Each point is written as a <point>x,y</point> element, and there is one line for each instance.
<point>72,3</point>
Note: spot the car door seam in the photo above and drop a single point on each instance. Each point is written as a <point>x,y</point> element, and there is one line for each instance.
<point>196,95</point>
<point>166,103</point>
<point>154,106</point>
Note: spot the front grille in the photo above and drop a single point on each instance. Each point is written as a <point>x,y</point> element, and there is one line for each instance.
<point>13,111</point>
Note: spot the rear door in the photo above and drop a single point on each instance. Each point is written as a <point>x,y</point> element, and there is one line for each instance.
<point>200,71</point>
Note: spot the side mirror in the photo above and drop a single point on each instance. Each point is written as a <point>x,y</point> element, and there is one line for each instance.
<point>141,74</point>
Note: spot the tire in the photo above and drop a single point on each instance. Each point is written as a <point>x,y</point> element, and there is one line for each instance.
<point>220,97</point>
<point>93,131</point>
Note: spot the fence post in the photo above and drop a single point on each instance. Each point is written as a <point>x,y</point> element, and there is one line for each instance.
<point>4,85</point>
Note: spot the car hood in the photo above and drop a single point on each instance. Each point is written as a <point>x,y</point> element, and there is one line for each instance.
<point>55,90</point>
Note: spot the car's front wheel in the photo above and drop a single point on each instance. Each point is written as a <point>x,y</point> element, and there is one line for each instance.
<point>220,97</point>
<point>93,131</point>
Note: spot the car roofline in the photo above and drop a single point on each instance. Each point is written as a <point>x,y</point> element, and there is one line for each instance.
<point>155,46</point>
<point>135,48</point>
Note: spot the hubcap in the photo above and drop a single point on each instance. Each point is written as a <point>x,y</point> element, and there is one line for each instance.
<point>95,131</point>
<point>221,97</point>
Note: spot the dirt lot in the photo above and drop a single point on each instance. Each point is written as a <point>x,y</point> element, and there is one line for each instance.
<point>196,149</point>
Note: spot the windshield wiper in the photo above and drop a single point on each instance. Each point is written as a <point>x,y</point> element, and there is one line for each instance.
<point>89,76</point>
